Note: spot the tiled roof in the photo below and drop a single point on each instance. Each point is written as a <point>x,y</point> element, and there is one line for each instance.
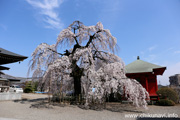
<point>9,57</point>
<point>140,66</point>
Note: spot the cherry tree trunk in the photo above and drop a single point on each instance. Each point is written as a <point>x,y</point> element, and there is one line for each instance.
<point>77,72</point>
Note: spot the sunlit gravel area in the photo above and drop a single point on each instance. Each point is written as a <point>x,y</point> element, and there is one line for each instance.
<point>35,107</point>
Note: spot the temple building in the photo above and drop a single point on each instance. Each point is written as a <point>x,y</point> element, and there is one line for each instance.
<point>7,57</point>
<point>146,73</point>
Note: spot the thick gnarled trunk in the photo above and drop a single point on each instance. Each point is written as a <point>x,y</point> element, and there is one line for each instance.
<point>77,72</point>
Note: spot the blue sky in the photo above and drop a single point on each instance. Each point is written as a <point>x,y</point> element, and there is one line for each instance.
<point>146,28</point>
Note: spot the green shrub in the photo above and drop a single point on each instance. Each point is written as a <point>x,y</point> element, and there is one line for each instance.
<point>30,86</point>
<point>165,102</point>
<point>28,90</point>
<point>177,89</point>
<point>35,86</point>
<point>168,93</point>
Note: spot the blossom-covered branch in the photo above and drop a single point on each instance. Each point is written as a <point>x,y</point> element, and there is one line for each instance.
<point>90,67</point>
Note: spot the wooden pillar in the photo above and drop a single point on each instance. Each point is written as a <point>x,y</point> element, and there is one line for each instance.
<point>8,82</point>
<point>146,81</point>
<point>156,86</point>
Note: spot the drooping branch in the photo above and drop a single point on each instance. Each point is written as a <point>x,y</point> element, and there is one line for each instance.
<point>67,53</point>
<point>91,38</point>
<point>85,67</point>
<point>55,51</point>
<point>75,38</point>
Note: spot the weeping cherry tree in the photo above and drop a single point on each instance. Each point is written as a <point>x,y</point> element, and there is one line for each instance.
<point>88,66</point>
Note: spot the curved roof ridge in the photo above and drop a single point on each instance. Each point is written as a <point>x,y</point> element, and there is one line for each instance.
<point>9,57</point>
<point>9,53</point>
<point>140,66</point>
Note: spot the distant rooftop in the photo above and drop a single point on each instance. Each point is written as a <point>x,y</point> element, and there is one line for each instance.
<point>11,78</point>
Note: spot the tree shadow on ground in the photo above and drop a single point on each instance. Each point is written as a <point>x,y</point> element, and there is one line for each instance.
<point>36,103</point>
<point>113,107</point>
<point>43,103</point>
<point>118,107</point>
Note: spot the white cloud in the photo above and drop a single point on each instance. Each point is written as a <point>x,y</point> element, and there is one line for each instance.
<point>171,70</point>
<point>149,55</point>
<point>142,52</point>
<point>150,58</point>
<point>109,11</point>
<point>47,9</point>
<point>177,52</point>
<point>152,48</point>
<point>171,48</point>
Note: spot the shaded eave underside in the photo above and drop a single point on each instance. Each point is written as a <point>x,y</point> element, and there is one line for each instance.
<point>9,57</point>
<point>4,68</point>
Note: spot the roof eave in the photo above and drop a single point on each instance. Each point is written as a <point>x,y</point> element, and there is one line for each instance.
<point>159,71</point>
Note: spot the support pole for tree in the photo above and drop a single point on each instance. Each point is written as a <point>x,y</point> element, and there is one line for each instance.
<point>60,93</point>
<point>79,98</point>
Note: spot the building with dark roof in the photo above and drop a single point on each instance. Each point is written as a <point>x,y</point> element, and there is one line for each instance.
<point>7,57</point>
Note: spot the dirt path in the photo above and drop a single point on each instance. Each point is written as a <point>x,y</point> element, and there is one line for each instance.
<point>33,96</point>
<point>35,107</point>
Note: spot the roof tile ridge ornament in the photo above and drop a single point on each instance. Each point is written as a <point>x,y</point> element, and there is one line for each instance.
<point>138,58</point>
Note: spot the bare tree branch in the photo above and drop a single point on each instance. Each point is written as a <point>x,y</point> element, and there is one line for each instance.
<point>55,51</point>
<point>91,38</point>
<point>83,68</point>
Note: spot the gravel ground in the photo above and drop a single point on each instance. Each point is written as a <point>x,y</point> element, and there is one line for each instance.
<point>35,107</point>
